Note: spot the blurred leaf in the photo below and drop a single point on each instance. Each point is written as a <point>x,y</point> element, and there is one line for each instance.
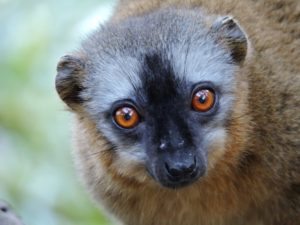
<point>36,171</point>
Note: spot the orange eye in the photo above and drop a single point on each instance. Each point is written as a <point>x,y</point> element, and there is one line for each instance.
<point>126,117</point>
<point>203,100</point>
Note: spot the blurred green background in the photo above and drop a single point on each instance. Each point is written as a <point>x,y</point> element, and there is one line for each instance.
<point>36,171</point>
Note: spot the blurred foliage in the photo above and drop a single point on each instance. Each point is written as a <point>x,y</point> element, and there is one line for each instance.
<point>36,170</point>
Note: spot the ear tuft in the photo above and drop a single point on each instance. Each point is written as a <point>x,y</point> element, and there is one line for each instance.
<point>70,70</point>
<point>232,37</point>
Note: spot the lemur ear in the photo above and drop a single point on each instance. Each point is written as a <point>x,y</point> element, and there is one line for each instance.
<point>68,82</point>
<point>232,36</point>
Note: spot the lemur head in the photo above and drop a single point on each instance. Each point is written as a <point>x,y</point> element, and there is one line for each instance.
<point>159,90</point>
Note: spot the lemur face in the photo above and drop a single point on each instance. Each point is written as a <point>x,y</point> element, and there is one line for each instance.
<point>160,90</point>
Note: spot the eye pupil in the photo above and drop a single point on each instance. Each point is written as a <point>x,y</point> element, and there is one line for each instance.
<point>202,98</point>
<point>127,116</point>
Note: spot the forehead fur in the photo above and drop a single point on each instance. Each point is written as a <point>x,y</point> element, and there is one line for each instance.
<point>116,54</point>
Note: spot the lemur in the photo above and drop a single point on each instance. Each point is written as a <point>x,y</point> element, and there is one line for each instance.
<point>187,112</point>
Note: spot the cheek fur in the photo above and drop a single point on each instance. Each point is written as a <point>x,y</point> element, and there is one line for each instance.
<point>131,163</point>
<point>215,142</point>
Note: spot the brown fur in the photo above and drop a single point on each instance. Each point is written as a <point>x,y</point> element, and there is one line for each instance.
<point>257,179</point>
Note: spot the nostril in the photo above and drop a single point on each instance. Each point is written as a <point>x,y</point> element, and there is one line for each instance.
<point>194,165</point>
<point>190,169</point>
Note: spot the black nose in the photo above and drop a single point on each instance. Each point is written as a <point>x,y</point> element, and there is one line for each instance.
<point>182,170</point>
